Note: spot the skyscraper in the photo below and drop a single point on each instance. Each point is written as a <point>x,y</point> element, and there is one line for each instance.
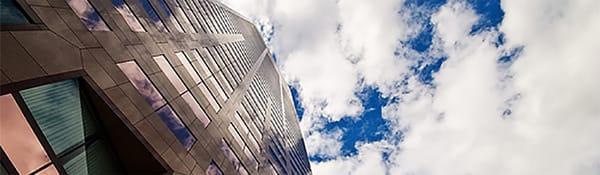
<point>141,87</point>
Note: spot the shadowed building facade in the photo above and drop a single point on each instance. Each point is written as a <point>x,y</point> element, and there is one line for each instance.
<point>141,87</point>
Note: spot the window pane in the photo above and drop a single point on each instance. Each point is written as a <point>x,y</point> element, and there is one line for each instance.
<point>170,73</point>
<point>142,84</point>
<point>229,154</point>
<point>10,13</point>
<point>153,16</point>
<point>242,123</point>
<point>196,108</point>
<point>170,15</point>
<point>211,99</point>
<point>236,135</point>
<point>57,109</point>
<point>213,169</point>
<point>50,170</point>
<point>186,64</point>
<point>95,158</point>
<point>176,126</point>
<point>186,19</point>
<point>88,15</point>
<point>131,19</point>
<point>251,157</point>
<point>203,70</point>
<point>214,83</point>
<point>17,139</point>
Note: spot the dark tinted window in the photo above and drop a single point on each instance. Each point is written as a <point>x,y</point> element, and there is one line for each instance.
<point>11,13</point>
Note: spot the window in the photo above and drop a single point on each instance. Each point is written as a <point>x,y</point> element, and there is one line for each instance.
<point>194,15</point>
<point>213,82</point>
<point>153,97</point>
<point>232,157</point>
<point>18,139</point>
<point>11,13</point>
<point>202,67</point>
<point>170,15</point>
<point>142,84</point>
<point>196,108</point>
<point>236,135</point>
<point>88,15</point>
<point>213,169</point>
<point>154,18</point>
<point>65,119</point>
<point>125,11</point>
<point>188,67</point>
<point>170,73</point>
<point>211,99</point>
<point>173,122</point>
<point>186,18</point>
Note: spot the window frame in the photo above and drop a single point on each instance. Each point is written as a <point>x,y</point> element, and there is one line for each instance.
<point>56,159</point>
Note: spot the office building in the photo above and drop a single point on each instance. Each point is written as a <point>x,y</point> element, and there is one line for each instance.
<point>141,87</point>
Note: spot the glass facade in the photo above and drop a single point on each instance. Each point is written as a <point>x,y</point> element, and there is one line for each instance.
<point>88,15</point>
<point>154,18</point>
<point>183,135</point>
<point>176,95</point>
<point>18,139</point>
<point>11,13</point>
<point>188,67</point>
<point>196,108</point>
<point>129,17</point>
<point>213,169</point>
<point>164,65</point>
<point>170,15</point>
<point>142,84</point>
<point>66,123</point>
<point>153,97</point>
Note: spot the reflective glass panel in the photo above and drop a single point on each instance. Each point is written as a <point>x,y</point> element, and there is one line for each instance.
<point>50,170</point>
<point>57,109</point>
<point>142,84</point>
<point>10,13</point>
<point>153,16</point>
<point>211,99</point>
<point>213,169</point>
<point>251,157</point>
<point>242,123</point>
<point>170,15</point>
<point>3,170</point>
<point>186,64</point>
<point>186,19</point>
<point>220,91</point>
<point>95,158</point>
<point>88,15</point>
<point>176,126</point>
<point>202,68</point>
<point>17,138</point>
<point>236,135</point>
<point>196,108</point>
<point>131,19</point>
<point>229,154</point>
<point>170,73</point>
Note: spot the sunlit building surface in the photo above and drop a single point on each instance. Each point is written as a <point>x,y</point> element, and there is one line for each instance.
<point>141,87</point>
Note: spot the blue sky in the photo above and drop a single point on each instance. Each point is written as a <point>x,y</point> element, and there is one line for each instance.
<point>440,87</point>
<point>370,126</point>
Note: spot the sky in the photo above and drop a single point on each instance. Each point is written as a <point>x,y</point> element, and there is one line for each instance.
<point>419,87</point>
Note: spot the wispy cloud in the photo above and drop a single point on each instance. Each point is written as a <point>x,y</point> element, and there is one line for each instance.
<point>481,113</point>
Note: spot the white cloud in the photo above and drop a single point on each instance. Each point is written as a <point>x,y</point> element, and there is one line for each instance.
<point>456,126</point>
<point>554,126</point>
<point>368,161</point>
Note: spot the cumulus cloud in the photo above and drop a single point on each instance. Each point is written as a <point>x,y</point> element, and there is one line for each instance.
<point>538,114</point>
